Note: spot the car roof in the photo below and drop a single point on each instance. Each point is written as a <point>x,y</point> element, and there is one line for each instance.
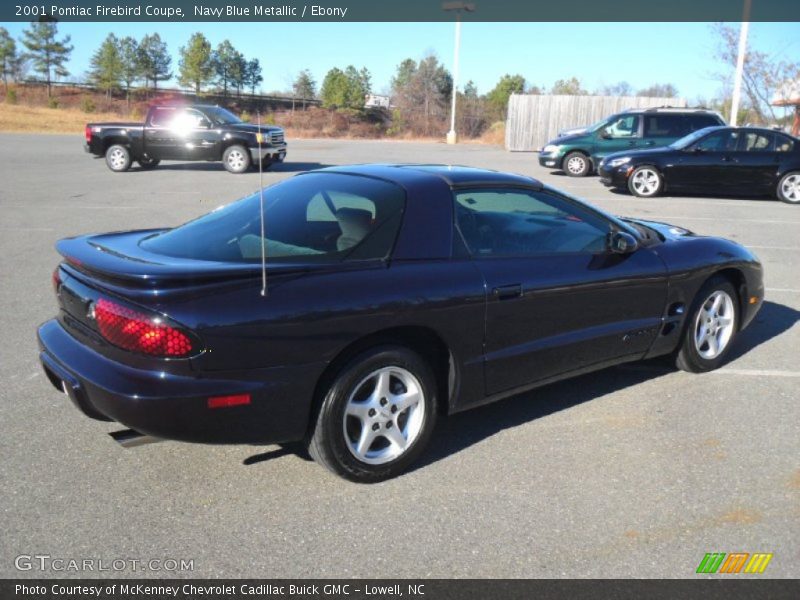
<point>671,110</point>
<point>452,175</point>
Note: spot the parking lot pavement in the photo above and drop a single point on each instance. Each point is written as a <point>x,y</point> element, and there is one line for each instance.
<point>636,471</point>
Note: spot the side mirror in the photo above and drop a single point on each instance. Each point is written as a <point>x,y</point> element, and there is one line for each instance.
<point>605,134</point>
<point>621,242</point>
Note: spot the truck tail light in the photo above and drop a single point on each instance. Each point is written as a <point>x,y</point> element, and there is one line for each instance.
<point>87,133</point>
<point>139,332</point>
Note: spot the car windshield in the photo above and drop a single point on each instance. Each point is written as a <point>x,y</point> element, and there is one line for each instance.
<point>311,218</point>
<point>222,116</point>
<point>690,139</point>
<point>601,123</point>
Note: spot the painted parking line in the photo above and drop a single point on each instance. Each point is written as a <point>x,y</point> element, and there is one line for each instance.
<point>783,290</point>
<point>755,372</point>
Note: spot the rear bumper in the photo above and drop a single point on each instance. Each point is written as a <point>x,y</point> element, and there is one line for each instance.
<point>171,406</point>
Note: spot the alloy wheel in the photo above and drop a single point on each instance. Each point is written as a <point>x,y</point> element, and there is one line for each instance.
<point>236,160</point>
<point>576,165</point>
<point>646,182</point>
<point>117,158</point>
<point>384,415</point>
<point>790,188</point>
<point>714,325</point>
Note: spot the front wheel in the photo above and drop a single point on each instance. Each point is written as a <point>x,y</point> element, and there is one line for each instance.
<point>711,327</point>
<point>377,415</point>
<point>118,158</point>
<point>789,188</point>
<point>148,163</point>
<point>236,159</point>
<point>577,164</point>
<point>645,182</point>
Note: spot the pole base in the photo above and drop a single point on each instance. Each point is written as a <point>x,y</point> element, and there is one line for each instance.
<point>452,137</point>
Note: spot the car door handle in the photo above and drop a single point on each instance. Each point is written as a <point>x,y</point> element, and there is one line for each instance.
<point>507,292</point>
<point>729,159</point>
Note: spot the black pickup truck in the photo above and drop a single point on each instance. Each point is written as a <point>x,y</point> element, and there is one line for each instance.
<point>196,132</point>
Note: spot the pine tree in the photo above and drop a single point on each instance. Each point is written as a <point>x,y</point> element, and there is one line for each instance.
<point>304,86</point>
<point>8,55</point>
<point>47,53</point>
<point>154,60</point>
<point>106,65</point>
<point>129,55</point>
<point>225,58</point>
<point>196,64</point>
<point>253,75</point>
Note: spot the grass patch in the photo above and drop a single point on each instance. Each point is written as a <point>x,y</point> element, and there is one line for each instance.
<point>39,119</point>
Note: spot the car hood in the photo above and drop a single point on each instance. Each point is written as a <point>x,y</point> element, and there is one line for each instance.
<point>643,153</point>
<point>666,230</point>
<point>572,131</point>
<point>567,139</point>
<point>251,128</point>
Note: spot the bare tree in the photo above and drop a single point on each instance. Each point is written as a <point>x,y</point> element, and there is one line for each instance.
<point>763,74</point>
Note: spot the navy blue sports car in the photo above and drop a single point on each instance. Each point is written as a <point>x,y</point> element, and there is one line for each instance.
<point>365,301</point>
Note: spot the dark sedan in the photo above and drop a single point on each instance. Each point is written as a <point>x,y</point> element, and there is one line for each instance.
<point>742,161</point>
<point>371,299</point>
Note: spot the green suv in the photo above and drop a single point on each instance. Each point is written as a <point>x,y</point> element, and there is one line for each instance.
<point>579,152</point>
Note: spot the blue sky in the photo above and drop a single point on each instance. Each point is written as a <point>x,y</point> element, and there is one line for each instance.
<point>596,53</point>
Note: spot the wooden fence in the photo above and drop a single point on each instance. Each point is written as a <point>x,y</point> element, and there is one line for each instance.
<point>535,120</point>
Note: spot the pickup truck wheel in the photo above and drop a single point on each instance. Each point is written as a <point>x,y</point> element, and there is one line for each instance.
<point>148,163</point>
<point>236,159</point>
<point>118,158</point>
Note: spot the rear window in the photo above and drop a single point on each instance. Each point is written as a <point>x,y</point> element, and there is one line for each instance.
<point>318,217</point>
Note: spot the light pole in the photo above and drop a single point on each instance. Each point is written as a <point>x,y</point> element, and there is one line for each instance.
<point>452,137</point>
<point>737,78</point>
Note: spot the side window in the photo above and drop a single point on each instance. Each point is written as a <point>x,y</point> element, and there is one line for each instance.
<point>701,122</point>
<point>664,126</point>
<point>509,222</point>
<point>162,117</point>
<point>756,142</point>
<point>626,126</point>
<point>719,141</point>
<point>321,208</point>
<point>783,144</point>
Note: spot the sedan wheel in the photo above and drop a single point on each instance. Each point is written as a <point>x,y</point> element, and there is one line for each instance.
<point>645,182</point>
<point>711,328</point>
<point>377,415</point>
<point>789,188</point>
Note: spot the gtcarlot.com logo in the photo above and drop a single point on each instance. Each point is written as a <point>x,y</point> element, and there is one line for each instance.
<point>45,562</point>
<point>735,562</point>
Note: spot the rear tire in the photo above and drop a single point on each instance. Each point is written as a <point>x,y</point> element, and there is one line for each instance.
<point>711,327</point>
<point>377,415</point>
<point>789,188</point>
<point>236,159</point>
<point>577,164</point>
<point>118,158</point>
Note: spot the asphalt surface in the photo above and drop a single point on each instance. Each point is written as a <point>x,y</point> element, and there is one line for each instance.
<point>635,471</point>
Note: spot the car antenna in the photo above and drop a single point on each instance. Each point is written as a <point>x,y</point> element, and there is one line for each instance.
<point>259,137</point>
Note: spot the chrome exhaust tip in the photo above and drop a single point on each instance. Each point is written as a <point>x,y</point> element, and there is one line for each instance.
<point>130,438</point>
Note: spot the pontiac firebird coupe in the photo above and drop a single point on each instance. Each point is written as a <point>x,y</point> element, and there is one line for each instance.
<point>394,293</point>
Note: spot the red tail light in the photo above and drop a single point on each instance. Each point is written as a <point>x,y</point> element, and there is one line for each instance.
<point>56,279</point>
<point>139,332</point>
<point>87,132</point>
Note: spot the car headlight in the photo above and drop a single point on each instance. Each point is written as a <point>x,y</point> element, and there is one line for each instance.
<point>550,149</point>
<point>619,161</point>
